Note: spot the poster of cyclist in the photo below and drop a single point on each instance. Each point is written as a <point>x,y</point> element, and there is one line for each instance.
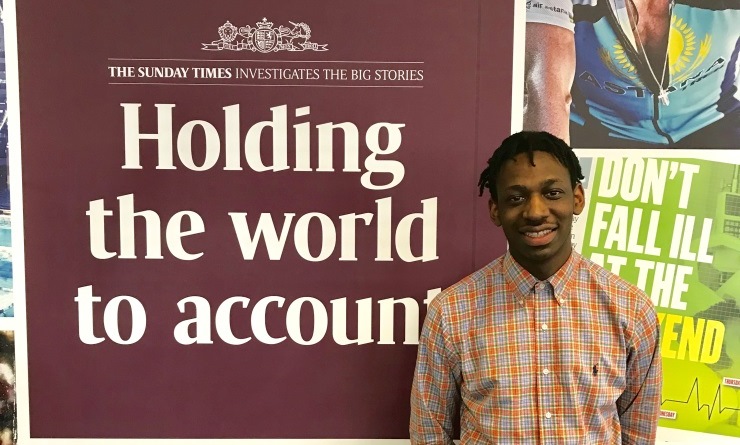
<point>634,73</point>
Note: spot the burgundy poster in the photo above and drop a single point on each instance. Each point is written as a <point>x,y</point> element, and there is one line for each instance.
<point>236,212</point>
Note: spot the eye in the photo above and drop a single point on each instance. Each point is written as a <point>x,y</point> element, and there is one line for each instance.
<point>515,199</point>
<point>554,194</point>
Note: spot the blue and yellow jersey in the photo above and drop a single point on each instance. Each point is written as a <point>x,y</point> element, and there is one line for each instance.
<point>613,86</point>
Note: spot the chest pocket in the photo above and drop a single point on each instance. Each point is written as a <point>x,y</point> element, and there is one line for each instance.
<point>598,382</point>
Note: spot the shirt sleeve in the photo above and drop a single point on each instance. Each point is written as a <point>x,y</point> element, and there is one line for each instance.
<point>551,12</point>
<point>435,392</point>
<point>639,404</point>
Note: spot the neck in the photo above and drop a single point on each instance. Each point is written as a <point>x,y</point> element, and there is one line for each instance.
<point>543,270</point>
<point>650,22</point>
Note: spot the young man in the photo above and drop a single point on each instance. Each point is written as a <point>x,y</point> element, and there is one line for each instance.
<point>541,345</point>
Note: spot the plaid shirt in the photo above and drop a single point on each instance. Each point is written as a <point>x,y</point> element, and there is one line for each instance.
<point>570,360</point>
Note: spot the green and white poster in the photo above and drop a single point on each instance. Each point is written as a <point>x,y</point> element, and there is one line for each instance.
<point>669,222</point>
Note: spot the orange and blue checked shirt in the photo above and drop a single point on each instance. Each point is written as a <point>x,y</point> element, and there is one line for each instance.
<point>572,359</point>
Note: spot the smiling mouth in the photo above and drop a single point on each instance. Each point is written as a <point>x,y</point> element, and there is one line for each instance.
<point>539,234</point>
<point>539,238</point>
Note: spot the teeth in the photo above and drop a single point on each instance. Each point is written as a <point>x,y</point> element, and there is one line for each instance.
<point>538,234</point>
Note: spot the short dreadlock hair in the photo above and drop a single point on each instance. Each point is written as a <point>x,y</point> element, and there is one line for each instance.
<point>529,142</point>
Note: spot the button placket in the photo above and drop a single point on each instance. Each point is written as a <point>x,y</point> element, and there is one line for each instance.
<point>545,298</point>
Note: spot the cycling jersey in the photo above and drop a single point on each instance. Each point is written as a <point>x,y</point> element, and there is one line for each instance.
<point>613,87</point>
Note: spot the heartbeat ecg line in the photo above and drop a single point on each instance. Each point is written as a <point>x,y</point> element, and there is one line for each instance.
<point>717,402</point>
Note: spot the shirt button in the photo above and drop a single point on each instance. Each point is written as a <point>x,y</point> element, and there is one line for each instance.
<point>545,371</point>
<point>548,415</point>
<point>544,326</point>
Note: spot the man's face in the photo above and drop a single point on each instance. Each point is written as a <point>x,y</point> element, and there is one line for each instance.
<point>535,208</point>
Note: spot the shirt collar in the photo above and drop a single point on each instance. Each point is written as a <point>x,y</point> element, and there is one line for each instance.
<point>521,282</point>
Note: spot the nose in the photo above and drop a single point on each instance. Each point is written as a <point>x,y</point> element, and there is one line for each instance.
<point>536,208</point>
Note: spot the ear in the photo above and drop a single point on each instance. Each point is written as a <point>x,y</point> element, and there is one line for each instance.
<point>579,199</point>
<point>493,212</point>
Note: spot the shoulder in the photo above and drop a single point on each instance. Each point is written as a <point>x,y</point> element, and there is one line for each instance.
<point>604,277</point>
<point>630,302</point>
<point>470,293</point>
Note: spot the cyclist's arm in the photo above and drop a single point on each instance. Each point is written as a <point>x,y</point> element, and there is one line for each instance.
<point>550,63</point>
